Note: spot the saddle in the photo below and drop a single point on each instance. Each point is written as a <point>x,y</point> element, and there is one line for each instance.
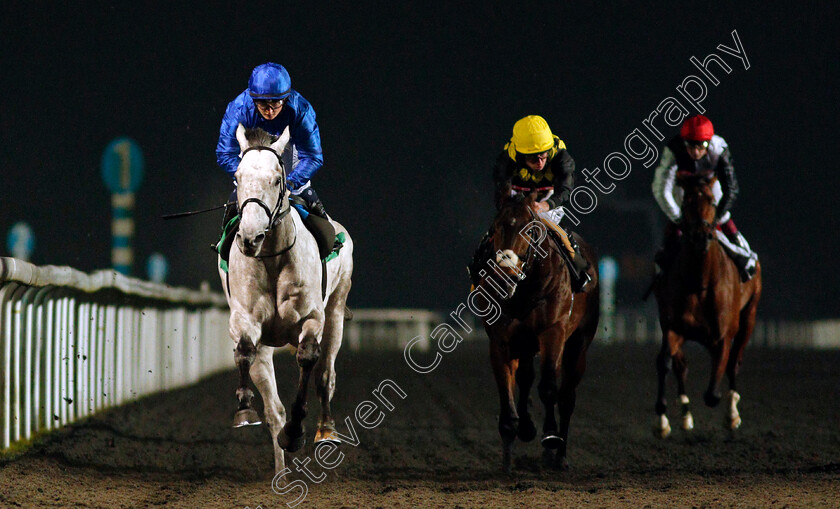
<point>568,249</point>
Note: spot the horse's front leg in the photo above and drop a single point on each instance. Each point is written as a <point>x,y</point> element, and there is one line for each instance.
<point>551,351</point>
<point>504,371</point>
<point>245,333</point>
<point>574,366</point>
<point>681,373</point>
<point>720,357</point>
<point>325,368</point>
<point>525,379</point>
<point>671,342</point>
<point>746,324</point>
<point>262,372</point>
<point>308,351</point>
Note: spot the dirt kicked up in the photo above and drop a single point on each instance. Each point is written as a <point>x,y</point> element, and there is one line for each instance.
<point>439,446</point>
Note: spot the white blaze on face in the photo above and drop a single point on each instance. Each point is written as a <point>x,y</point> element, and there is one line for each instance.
<point>508,259</point>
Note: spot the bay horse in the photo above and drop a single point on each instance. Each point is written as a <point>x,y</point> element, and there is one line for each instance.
<point>540,314</point>
<point>701,298</point>
<point>274,289</point>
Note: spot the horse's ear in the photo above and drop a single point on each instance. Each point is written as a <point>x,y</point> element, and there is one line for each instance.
<point>281,142</point>
<point>240,137</point>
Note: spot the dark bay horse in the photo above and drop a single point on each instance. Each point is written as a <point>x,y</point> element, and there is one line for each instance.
<point>528,276</point>
<point>701,298</point>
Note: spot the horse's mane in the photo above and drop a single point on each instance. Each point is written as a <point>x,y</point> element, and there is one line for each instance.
<point>258,137</point>
<point>517,200</point>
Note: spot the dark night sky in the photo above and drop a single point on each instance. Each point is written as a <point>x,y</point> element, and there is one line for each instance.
<point>414,104</point>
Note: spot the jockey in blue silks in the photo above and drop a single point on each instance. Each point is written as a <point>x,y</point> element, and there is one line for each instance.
<point>271,104</point>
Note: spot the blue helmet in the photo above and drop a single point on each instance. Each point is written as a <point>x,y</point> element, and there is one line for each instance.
<point>269,81</point>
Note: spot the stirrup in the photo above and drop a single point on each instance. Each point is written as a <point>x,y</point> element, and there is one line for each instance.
<point>580,282</point>
<point>749,269</point>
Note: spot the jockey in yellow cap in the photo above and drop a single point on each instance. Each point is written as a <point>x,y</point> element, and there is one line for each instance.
<point>537,160</point>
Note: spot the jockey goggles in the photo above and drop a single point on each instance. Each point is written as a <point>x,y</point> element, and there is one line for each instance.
<point>535,158</point>
<point>696,143</point>
<point>269,103</point>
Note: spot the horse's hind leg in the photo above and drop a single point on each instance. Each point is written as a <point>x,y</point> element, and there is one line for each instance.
<point>325,369</point>
<point>308,351</point>
<point>262,372</point>
<point>244,355</point>
<point>525,379</point>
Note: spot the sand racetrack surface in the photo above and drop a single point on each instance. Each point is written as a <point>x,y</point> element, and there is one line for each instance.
<point>439,446</point>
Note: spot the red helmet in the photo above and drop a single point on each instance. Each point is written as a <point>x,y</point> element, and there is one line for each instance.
<point>697,128</point>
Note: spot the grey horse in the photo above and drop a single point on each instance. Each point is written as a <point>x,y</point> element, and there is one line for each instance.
<point>274,289</point>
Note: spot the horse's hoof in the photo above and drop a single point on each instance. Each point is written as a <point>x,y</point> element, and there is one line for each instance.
<point>548,456</point>
<point>711,400</point>
<point>507,456</point>
<point>291,442</point>
<point>246,417</point>
<point>562,464</point>
<point>552,442</point>
<point>507,465</point>
<point>688,422</point>
<point>527,431</point>
<point>327,436</point>
<point>662,428</point>
<point>734,423</point>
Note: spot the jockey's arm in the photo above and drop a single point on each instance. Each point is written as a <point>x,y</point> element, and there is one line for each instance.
<point>227,149</point>
<point>563,167</point>
<point>725,173</point>
<point>307,140</point>
<point>663,185</point>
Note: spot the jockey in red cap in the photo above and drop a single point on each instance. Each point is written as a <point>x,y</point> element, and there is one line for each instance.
<point>699,150</point>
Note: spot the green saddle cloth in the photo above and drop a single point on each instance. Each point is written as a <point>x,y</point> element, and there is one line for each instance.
<point>229,234</point>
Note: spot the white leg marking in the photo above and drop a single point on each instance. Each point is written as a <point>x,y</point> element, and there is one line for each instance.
<point>662,428</point>
<point>733,418</point>
<point>687,420</point>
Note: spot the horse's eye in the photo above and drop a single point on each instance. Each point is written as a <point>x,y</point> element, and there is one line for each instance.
<point>513,222</point>
<point>278,181</point>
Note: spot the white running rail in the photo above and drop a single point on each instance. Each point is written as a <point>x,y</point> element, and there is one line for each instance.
<point>72,344</point>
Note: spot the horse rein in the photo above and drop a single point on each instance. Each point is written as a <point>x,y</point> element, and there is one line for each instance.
<point>529,254</point>
<point>276,215</point>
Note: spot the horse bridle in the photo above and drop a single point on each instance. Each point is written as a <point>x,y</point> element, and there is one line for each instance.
<point>276,215</point>
<point>529,254</point>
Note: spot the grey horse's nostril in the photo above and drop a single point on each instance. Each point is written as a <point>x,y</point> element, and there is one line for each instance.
<point>259,238</point>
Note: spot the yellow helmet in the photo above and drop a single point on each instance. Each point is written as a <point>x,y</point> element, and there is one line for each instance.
<point>531,135</point>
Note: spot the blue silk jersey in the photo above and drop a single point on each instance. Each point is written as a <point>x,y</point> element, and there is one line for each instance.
<point>297,114</point>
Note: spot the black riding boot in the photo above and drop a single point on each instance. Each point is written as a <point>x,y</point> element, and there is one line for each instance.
<point>231,210</point>
<point>580,272</point>
<point>670,248</point>
<point>313,204</point>
<point>479,257</point>
<point>229,227</point>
